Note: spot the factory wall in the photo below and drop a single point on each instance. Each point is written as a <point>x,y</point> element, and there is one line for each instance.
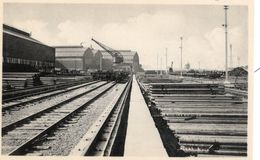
<point>72,63</point>
<point>21,54</point>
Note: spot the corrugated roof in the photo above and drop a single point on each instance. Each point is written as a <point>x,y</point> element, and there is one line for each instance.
<point>132,53</point>
<point>128,55</point>
<point>69,54</point>
<point>70,51</point>
<point>13,29</point>
<point>21,34</point>
<point>123,52</point>
<point>71,46</point>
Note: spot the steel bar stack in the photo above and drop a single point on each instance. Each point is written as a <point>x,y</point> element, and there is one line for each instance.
<point>203,118</point>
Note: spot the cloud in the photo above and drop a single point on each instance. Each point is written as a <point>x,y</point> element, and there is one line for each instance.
<point>216,40</point>
<point>149,34</point>
<point>71,32</point>
<point>38,29</point>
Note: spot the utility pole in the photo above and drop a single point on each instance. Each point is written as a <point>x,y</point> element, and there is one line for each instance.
<point>226,45</point>
<point>231,57</point>
<point>157,66</point>
<point>75,64</point>
<point>100,62</point>
<point>199,72</point>
<point>161,66</point>
<point>181,55</point>
<point>166,57</point>
<point>238,61</point>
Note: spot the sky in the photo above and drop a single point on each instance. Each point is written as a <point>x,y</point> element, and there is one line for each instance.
<point>147,29</point>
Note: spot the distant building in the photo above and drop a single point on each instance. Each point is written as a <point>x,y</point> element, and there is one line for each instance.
<point>154,73</point>
<point>131,60</point>
<point>79,58</point>
<point>73,58</point>
<point>84,59</point>
<point>22,53</point>
<point>239,71</point>
<point>97,62</point>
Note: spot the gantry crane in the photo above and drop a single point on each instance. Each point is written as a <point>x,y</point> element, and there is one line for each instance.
<point>117,57</point>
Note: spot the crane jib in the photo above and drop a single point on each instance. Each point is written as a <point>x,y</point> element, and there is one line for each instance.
<point>117,57</point>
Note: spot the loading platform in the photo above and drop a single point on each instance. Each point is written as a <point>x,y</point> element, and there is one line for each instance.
<point>142,137</point>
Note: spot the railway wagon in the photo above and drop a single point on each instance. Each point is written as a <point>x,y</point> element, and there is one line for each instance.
<point>118,76</point>
<point>22,53</point>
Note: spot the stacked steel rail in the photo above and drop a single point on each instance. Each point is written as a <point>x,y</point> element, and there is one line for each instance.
<point>18,79</point>
<point>203,119</point>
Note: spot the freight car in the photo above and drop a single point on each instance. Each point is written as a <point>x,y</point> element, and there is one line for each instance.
<point>118,76</point>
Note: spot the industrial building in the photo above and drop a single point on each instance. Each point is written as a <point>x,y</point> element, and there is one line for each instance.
<point>131,60</point>
<point>72,58</point>
<point>97,62</point>
<point>22,53</point>
<point>79,59</point>
<point>82,59</point>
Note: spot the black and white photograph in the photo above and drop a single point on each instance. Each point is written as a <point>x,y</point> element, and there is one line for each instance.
<point>133,79</point>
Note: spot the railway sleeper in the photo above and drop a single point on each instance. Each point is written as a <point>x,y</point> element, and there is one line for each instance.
<point>97,141</point>
<point>23,148</point>
<point>44,112</point>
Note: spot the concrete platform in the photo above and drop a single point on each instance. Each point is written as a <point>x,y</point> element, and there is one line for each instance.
<point>142,138</point>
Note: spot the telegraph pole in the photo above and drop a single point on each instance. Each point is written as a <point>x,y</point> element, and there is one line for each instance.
<point>161,66</point>
<point>231,57</point>
<point>157,66</point>
<point>181,55</point>
<point>75,64</point>
<point>166,57</point>
<point>226,45</point>
<point>238,61</point>
<point>100,62</point>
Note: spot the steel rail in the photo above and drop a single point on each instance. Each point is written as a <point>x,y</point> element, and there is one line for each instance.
<point>11,126</point>
<point>103,132</point>
<point>20,150</point>
<point>109,147</point>
<point>22,93</point>
<point>4,108</point>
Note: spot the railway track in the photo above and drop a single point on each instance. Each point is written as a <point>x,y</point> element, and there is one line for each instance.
<point>13,95</point>
<point>20,114</point>
<point>27,135</point>
<point>40,123</point>
<point>101,137</point>
<point>22,111</point>
<point>41,96</point>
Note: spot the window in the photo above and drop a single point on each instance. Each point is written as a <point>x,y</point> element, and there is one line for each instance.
<point>28,62</point>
